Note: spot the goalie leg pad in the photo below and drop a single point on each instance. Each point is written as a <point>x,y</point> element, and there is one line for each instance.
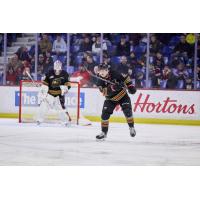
<point>46,104</point>
<point>50,101</point>
<point>60,107</point>
<point>43,109</point>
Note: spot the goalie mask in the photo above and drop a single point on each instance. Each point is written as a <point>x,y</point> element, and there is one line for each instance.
<point>57,67</point>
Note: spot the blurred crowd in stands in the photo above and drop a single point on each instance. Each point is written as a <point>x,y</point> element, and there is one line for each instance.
<point>171,61</point>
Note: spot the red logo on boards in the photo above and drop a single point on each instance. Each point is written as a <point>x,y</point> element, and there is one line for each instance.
<point>144,104</point>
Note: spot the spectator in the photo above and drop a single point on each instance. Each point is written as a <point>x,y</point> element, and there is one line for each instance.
<point>23,54</point>
<point>24,73</point>
<point>155,76</point>
<point>45,44</point>
<point>139,83</point>
<point>133,65</point>
<point>32,51</point>
<point>181,74</point>
<point>59,46</point>
<point>32,64</point>
<point>132,59</point>
<point>86,44</point>
<point>138,72</point>
<point>41,65</point>
<point>189,84</point>
<point>141,62</point>
<point>48,62</point>
<point>175,60</point>
<point>85,54</point>
<point>18,75</point>
<point>159,60</point>
<point>82,76</point>
<point>11,77</point>
<point>26,64</point>
<point>155,45</point>
<point>91,66</point>
<point>96,47</point>
<point>124,67</point>
<point>14,62</point>
<point>89,63</point>
<point>107,41</point>
<point>83,59</point>
<point>144,38</point>
<point>106,59</point>
<point>123,48</point>
<point>183,48</point>
<point>169,77</point>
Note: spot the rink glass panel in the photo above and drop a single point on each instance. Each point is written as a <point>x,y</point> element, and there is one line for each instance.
<point>30,99</point>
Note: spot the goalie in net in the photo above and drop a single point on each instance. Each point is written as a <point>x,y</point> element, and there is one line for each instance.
<point>52,94</point>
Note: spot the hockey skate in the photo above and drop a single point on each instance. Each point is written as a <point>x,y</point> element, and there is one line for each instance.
<point>101,136</point>
<point>38,123</point>
<point>67,124</point>
<point>132,131</point>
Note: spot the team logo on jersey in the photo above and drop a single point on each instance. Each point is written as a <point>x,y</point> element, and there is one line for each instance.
<point>56,82</point>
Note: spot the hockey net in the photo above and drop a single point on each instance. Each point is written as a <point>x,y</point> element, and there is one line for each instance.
<point>29,100</point>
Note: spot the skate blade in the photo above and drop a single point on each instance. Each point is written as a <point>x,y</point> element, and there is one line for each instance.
<point>67,125</point>
<point>38,123</point>
<point>133,135</point>
<point>101,140</point>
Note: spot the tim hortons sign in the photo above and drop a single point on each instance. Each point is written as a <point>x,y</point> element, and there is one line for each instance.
<point>144,103</point>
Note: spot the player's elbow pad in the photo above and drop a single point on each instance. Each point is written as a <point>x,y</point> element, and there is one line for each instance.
<point>132,89</point>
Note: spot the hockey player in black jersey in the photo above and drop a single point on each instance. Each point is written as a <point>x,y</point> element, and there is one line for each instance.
<point>54,87</point>
<point>114,87</point>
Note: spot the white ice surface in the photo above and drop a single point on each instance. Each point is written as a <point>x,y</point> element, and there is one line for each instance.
<point>28,144</point>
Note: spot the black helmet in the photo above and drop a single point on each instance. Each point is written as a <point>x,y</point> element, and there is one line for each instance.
<point>103,66</point>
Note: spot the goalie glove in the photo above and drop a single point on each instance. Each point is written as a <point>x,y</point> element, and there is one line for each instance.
<point>64,89</point>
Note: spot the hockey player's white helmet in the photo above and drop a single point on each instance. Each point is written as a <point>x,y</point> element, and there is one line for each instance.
<point>57,67</point>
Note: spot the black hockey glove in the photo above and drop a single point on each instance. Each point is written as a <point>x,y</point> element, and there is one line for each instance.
<point>132,89</point>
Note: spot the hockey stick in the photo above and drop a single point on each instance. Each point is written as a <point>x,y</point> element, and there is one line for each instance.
<point>32,80</point>
<point>98,77</point>
<point>36,85</point>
